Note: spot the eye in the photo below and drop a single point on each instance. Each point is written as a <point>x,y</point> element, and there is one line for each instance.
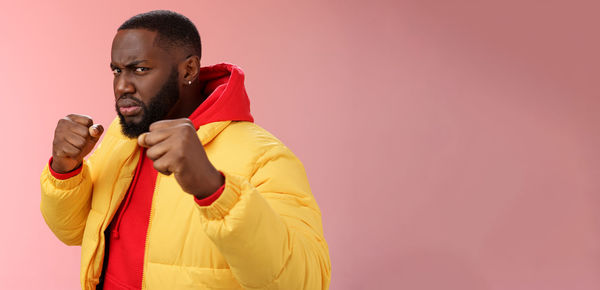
<point>116,71</point>
<point>141,69</point>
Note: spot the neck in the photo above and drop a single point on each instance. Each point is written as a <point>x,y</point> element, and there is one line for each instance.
<point>189,99</point>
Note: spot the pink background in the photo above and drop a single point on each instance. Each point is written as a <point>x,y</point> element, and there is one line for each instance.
<point>450,144</point>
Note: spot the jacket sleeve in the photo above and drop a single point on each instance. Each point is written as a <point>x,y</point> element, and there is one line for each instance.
<point>65,204</point>
<point>268,226</point>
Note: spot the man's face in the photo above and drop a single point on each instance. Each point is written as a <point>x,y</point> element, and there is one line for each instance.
<point>145,83</point>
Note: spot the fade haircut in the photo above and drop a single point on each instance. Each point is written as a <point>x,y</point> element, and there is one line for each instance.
<point>173,29</point>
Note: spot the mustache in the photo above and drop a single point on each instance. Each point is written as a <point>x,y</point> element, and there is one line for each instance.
<point>129,97</point>
<point>129,100</point>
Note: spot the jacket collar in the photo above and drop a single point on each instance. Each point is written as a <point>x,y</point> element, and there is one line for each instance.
<point>208,132</point>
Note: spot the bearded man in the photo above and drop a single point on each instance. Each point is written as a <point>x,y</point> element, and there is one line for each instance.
<point>184,191</point>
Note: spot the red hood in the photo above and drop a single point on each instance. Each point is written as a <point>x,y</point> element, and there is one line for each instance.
<point>227,101</point>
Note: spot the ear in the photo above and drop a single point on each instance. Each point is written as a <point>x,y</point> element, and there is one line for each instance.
<point>189,69</point>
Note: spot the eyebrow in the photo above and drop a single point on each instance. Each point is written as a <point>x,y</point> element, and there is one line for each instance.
<point>129,65</point>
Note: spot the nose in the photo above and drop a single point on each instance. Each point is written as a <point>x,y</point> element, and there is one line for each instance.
<point>123,86</point>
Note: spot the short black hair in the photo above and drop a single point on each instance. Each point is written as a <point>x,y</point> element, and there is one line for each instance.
<point>173,29</point>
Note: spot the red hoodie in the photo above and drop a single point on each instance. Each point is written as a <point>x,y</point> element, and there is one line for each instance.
<point>126,234</point>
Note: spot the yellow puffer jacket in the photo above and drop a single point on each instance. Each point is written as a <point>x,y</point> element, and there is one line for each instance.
<point>263,232</point>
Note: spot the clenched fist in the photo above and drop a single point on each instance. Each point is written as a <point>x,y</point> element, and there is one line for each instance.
<point>174,148</point>
<point>74,138</point>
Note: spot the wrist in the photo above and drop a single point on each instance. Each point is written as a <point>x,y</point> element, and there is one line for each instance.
<point>211,185</point>
<point>60,166</point>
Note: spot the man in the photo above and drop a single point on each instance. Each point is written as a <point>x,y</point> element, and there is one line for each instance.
<point>184,191</point>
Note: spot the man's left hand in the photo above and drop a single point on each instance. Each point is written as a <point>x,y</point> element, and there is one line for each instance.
<point>175,148</point>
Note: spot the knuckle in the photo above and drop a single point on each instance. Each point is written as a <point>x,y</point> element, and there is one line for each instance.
<point>64,152</point>
<point>81,130</point>
<point>62,122</point>
<point>151,154</point>
<point>70,151</point>
<point>80,119</point>
<point>162,170</point>
<point>158,165</point>
<point>188,125</point>
<point>156,125</point>
<point>79,142</point>
<point>185,129</point>
<point>76,153</point>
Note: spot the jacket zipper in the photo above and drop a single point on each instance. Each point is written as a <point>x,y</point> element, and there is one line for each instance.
<point>115,230</point>
<point>87,272</point>
<point>144,267</point>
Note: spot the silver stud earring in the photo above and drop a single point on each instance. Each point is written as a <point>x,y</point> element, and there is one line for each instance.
<point>189,82</point>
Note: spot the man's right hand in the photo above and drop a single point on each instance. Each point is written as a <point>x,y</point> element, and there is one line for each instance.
<point>75,136</point>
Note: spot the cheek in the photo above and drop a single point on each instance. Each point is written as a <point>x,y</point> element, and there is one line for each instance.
<point>149,85</point>
<point>115,87</point>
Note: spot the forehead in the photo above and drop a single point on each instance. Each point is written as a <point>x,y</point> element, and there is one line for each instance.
<point>135,44</point>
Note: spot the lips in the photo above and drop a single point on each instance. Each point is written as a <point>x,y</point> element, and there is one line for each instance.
<point>129,111</point>
<point>128,107</point>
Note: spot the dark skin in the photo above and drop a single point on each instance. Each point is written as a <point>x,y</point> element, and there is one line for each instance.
<point>141,67</point>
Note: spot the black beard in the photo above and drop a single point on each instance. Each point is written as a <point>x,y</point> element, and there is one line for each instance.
<point>157,109</point>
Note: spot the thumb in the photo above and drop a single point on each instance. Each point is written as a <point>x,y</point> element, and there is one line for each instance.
<point>142,140</point>
<point>96,131</point>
